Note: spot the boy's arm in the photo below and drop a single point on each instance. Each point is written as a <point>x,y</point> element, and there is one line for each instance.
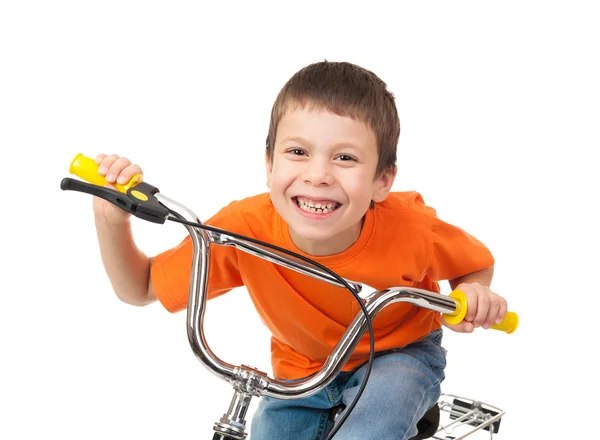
<point>483,277</point>
<point>127,267</point>
<point>455,252</point>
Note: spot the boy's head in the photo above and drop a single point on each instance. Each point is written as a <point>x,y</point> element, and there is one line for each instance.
<point>331,153</point>
<point>346,90</point>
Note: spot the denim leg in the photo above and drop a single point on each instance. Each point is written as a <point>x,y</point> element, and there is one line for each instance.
<point>299,419</point>
<point>403,385</point>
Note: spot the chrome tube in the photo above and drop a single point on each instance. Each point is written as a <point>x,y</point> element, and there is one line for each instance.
<point>197,291</point>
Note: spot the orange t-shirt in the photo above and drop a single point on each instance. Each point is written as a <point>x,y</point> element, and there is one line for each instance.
<point>402,243</point>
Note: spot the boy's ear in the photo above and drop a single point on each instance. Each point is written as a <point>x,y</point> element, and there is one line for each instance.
<point>383,184</point>
<point>269,169</point>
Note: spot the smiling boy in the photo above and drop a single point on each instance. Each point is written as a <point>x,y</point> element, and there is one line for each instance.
<point>331,163</point>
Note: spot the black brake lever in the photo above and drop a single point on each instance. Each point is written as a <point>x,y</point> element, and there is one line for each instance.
<point>139,201</point>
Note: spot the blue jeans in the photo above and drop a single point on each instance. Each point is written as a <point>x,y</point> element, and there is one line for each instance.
<point>404,383</point>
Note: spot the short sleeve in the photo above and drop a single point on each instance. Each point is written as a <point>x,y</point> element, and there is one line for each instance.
<point>170,270</point>
<point>455,252</point>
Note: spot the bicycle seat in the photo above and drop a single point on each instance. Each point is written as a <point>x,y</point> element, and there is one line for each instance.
<point>428,425</point>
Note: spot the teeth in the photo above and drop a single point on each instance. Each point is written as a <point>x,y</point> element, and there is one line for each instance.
<point>316,207</point>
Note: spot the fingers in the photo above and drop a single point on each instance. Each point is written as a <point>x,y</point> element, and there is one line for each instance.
<point>483,304</point>
<point>496,310</point>
<point>502,311</point>
<point>462,327</point>
<point>105,162</point>
<point>127,174</point>
<point>491,315</point>
<point>116,169</point>
<point>472,301</point>
<point>467,327</point>
<point>484,308</point>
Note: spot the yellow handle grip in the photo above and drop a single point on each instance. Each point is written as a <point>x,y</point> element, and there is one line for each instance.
<point>87,169</point>
<point>509,324</point>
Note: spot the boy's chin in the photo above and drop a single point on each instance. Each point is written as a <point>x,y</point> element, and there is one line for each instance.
<point>311,234</point>
<point>320,243</point>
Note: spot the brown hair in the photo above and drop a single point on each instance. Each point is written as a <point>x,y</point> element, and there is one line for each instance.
<point>347,90</point>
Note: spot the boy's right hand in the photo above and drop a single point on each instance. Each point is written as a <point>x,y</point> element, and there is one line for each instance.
<point>114,169</point>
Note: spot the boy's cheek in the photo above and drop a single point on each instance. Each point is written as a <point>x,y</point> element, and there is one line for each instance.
<point>358,189</point>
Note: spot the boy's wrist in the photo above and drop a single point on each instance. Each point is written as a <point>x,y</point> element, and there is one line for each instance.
<point>107,221</point>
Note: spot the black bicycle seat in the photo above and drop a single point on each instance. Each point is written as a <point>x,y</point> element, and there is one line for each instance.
<point>428,425</point>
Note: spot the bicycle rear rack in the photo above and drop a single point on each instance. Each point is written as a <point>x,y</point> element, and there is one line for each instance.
<point>460,417</point>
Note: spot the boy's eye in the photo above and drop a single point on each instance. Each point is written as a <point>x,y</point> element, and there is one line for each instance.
<point>296,151</point>
<point>345,157</point>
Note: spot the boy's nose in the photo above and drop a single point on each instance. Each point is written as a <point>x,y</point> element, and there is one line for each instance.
<point>318,173</point>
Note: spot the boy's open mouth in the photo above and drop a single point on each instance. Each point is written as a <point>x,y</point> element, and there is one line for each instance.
<point>317,207</point>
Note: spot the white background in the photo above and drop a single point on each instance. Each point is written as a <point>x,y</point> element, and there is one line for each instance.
<point>499,106</point>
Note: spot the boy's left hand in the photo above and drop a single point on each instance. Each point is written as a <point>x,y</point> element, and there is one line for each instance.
<point>484,308</point>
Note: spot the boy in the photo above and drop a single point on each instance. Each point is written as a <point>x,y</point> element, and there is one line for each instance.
<point>331,163</point>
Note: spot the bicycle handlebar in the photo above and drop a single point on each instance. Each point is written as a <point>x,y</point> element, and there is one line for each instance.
<point>147,203</point>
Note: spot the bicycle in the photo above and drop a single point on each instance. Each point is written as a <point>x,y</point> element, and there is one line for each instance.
<point>145,201</point>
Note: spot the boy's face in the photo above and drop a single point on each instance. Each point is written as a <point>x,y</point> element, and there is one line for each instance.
<point>322,178</point>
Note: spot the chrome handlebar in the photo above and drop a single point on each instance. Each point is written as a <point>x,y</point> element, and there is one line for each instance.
<point>145,201</point>
<point>247,380</point>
